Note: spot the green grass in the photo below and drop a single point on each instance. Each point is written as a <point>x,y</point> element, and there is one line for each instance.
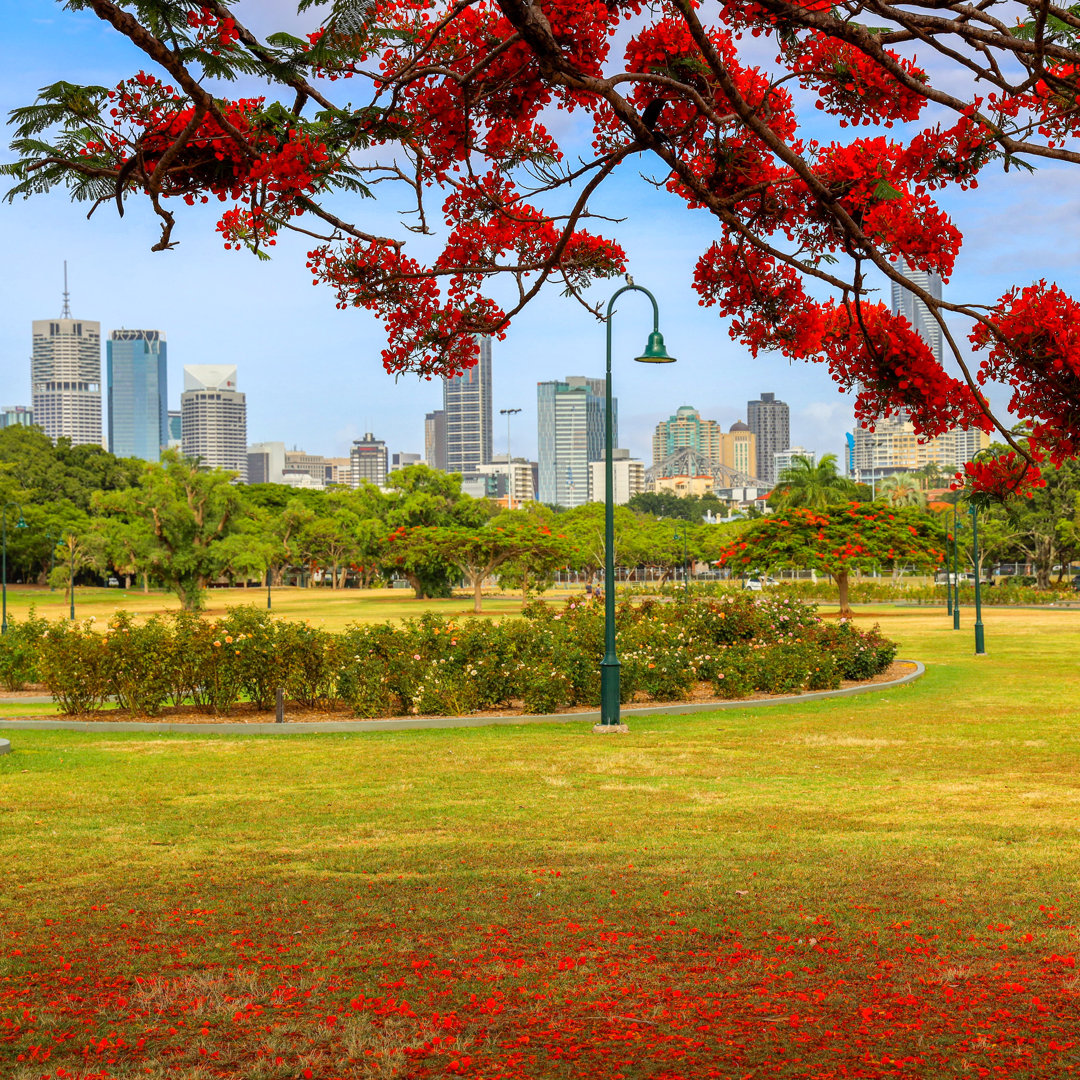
<point>329,608</point>
<point>950,805</point>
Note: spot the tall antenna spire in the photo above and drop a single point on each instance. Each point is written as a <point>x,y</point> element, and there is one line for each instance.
<point>66,312</point>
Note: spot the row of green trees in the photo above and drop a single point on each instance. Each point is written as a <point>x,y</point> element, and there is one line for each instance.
<point>174,525</point>
<point>89,514</point>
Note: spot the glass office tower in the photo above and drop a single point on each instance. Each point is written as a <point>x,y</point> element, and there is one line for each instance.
<point>136,377</point>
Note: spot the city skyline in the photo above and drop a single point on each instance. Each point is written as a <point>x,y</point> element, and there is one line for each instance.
<point>409,434</point>
<point>468,399</point>
<point>68,348</point>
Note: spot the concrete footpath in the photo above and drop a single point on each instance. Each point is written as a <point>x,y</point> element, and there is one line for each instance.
<point>422,722</point>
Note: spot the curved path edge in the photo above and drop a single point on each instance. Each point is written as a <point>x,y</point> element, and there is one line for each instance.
<point>407,724</point>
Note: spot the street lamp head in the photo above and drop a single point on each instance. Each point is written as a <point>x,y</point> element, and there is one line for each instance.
<point>21,523</point>
<point>655,353</point>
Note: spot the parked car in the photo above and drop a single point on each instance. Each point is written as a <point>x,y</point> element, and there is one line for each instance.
<point>759,583</point>
<point>113,583</point>
<point>968,578</point>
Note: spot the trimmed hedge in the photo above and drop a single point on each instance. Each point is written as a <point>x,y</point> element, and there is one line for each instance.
<point>875,591</point>
<point>741,644</point>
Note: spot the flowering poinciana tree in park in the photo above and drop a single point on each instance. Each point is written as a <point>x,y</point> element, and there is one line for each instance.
<point>838,541</point>
<point>454,97</point>
<point>477,553</point>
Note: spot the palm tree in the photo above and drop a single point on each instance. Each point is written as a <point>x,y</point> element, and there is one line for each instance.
<point>929,475</point>
<point>902,489</point>
<point>814,486</point>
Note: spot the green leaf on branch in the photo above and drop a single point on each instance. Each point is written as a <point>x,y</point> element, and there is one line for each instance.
<point>886,192</point>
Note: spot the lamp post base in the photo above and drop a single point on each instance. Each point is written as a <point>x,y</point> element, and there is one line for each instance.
<point>605,729</point>
<point>609,693</point>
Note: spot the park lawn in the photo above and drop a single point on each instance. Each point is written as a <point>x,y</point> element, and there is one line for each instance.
<point>11,709</point>
<point>877,886</point>
<point>328,608</point>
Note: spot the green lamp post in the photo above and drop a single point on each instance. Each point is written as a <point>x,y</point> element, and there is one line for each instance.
<point>948,579</point>
<point>956,567</point>
<point>654,353</point>
<point>20,524</point>
<point>980,637</point>
<point>268,603</point>
<point>71,581</point>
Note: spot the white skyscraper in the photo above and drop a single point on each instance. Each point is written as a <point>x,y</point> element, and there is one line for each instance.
<point>467,410</point>
<point>214,418</point>
<point>65,376</point>
<point>570,434</point>
<point>906,303</point>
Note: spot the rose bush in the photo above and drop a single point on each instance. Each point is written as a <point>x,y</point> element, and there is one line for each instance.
<point>740,643</point>
<point>20,648</point>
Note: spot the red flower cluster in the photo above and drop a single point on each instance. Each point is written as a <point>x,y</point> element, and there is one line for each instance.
<point>851,85</point>
<point>1032,338</point>
<point>1004,477</point>
<point>878,354</point>
<point>216,34</point>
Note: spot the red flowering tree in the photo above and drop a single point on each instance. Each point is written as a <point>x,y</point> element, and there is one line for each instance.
<point>454,95</point>
<point>478,553</point>
<point>837,541</point>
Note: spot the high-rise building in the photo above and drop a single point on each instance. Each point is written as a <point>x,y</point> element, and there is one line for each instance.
<point>65,376</point>
<point>738,449</point>
<point>136,375</point>
<point>314,466</point>
<point>467,405</point>
<point>368,461</point>
<point>686,428</point>
<point>176,429</point>
<point>265,462</point>
<point>785,459</point>
<point>770,421</point>
<point>515,480</point>
<point>16,415</point>
<point>895,448</point>
<point>627,478</point>
<point>402,461</point>
<point>570,429</point>
<point>435,439</point>
<point>915,310</point>
<point>214,418</point>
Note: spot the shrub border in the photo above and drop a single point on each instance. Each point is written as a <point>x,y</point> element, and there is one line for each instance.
<point>422,722</point>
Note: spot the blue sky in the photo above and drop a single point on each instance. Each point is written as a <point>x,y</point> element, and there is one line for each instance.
<point>312,374</point>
